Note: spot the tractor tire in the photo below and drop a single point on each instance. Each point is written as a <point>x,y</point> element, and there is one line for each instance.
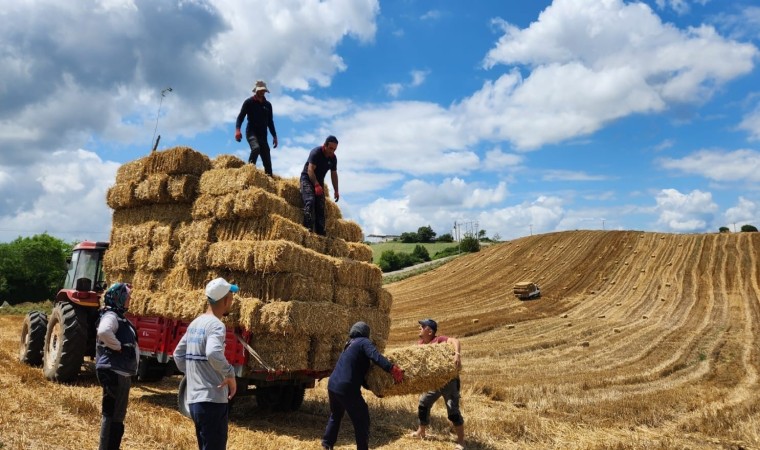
<point>65,344</point>
<point>33,338</point>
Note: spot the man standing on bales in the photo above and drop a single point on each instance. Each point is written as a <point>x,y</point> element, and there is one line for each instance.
<point>260,117</point>
<point>450,392</point>
<point>210,378</point>
<point>321,160</point>
<point>344,386</point>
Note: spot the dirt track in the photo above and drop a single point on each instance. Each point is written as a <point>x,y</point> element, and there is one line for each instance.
<point>641,340</point>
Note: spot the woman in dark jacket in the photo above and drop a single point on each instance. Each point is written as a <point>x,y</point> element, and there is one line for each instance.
<point>116,356</point>
<point>346,380</point>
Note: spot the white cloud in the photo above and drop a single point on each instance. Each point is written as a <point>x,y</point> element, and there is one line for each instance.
<point>496,160</point>
<point>685,212</point>
<point>751,124</point>
<point>433,14</point>
<point>452,193</point>
<point>539,216</point>
<point>745,211</point>
<point>569,175</point>
<point>417,79</point>
<point>739,165</point>
<point>394,89</point>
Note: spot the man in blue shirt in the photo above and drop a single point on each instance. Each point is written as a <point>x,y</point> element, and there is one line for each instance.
<point>260,117</point>
<point>321,160</point>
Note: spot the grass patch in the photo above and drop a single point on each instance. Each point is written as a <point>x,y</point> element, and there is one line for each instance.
<point>400,247</point>
<point>412,272</point>
<point>22,309</point>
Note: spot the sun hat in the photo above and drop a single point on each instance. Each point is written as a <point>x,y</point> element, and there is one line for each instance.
<point>260,86</point>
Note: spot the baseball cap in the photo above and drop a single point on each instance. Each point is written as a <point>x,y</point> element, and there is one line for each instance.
<point>429,323</point>
<point>217,288</point>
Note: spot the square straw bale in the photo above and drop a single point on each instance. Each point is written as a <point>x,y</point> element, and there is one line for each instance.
<point>182,188</point>
<point>315,242</point>
<point>163,234</point>
<point>384,300</point>
<point>148,281</point>
<point>286,229</point>
<point>277,287</point>
<point>426,368</point>
<point>359,274</point>
<point>290,190</point>
<point>249,312</point>
<point>197,230</point>
<point>378,321</point>
<point>204,207</point>
<point>164,213</point>
<point>153,189</point>
<point>325,351</point>
<point>241,229</point>
<point>139,234</point>
<point>138,303</point>
<point>227,162</point>
<point>302,318</point>
<point>231,180</point>
<point>336,247</point>
<point>256,202</point>
<point>183,277</point>
<point>122,195</point>
<point>131,172</point>
<point>193,255</point>
<point>345,229</point>
<point>332,211</point>
<point>359,251</point>
<point>352,296</point>
<point>177,161</point>
<point>119,258</point>
<point>160,258</point>
<point>282,352</point>
<point>140,257</point>
<point>225,207</point>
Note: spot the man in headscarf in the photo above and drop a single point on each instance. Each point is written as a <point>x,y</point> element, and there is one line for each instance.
<point>116,359</point>
<point>346,380</point>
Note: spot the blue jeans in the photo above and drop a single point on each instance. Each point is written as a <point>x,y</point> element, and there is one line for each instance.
<point>210,424</point>
<point>357,410</point>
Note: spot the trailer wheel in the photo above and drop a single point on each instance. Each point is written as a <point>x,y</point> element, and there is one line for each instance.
<point>151,370</point>
<point>65,342</point>
<point>296,400</point>
<point>182,406</point>
<point>280,398</point>
<point>33,338</point>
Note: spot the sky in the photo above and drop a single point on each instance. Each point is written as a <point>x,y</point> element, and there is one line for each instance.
<point>508,116</point>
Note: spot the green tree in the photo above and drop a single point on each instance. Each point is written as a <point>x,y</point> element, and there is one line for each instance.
<point>469,244</point>
<point>421,253</point>
<point>749,228</point>
<point>482,234</point>
<point>446,237</point>
<point>426,234</point>
<point>724,230</point>
<point>389,261</point>
<point>409,237</point>
<point>32,268</point>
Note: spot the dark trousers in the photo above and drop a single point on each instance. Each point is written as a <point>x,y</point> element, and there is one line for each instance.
<point>260,147</point>
<point>114,407</point>
<point>357,410</point>
<point>210,424</point>
<point>313,207</point>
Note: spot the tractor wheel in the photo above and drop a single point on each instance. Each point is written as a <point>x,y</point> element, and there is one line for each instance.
<point>65,342</point>
<point>33,338</point>
<point>182,404</point>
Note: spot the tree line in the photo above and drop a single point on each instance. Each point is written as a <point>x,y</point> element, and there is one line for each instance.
<point>32,268</point>
<point>391,260</point>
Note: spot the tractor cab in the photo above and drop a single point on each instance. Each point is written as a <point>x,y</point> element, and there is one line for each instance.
<point>85,280</point>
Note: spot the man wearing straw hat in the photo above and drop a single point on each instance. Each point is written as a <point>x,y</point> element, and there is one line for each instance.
<point>210,377</point>
<point>450,392</point>
<point>260,117</point>
<point>321,160</point>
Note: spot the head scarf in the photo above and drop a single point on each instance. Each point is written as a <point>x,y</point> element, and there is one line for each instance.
<point>116,297</point>
<point>359,329</point>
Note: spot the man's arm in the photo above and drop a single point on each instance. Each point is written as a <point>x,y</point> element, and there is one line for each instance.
<point>457,350</point>
<point>334,177</point>
<point>241,115</point>
<point>107,331</point>
<point>312,174</point>
<point>179,354</point>
<point>272,131</point>
<point>215,356</point>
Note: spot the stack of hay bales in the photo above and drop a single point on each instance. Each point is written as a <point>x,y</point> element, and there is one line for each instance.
<point>426,368</point>
<point>299,293</point>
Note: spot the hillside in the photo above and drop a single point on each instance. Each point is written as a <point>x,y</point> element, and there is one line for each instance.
<point>640,341</point>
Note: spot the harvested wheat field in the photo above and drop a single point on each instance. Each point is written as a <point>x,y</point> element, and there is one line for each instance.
<point>639,341</point>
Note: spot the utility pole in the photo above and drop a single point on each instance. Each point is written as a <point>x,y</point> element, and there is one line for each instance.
<point>163,94</point>
<point>602,224</point>
<point>531,229</point>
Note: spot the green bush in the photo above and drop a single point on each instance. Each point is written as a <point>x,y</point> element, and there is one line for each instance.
<point>391,261</point>
<point>469,244</point>
<point>409,238</point>
<point>749,228</point>
<point>421,253</point>
<point>724,230</point>
<point>448,251</point>
<point>445,238</point>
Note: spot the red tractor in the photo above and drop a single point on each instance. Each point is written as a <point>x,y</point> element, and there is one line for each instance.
<point>60,342</point>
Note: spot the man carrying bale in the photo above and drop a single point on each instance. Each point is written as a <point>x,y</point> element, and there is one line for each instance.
<point>344,386</point>
<point>321,159</point>
<point>450,392</point>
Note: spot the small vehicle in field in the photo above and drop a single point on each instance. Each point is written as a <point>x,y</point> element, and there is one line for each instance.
<point>526,290</point>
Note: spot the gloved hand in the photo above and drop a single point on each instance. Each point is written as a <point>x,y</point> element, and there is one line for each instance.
<point>397,373</point>
<point>318,190</point>
<point>337,196</point>
<point>238,135</point>
<point>274,141</point>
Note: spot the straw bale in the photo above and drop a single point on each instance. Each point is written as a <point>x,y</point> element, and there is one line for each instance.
<point>345,229</point>
<point>140,257</point>
<point>197,230</point>
<point>183,277</point>
<point>153,189</point>
<point>269,228</point>
<point>270,256</point>
<point>426,368</point>
<point>249,312</point>
<point>384,300</point>
<point>177,161</point>
<point>315,242</point>
<point>182,188</point>
<point>282,352</point>
<point>119,276</point>
<point>138,303</point>
<point>140,234</point>
<point>160,258</point>
<point>378,321</point>
<point>274,287</point>
<point>230,180</point>
<point>131,172</point>
<point>204,207</point>
<point>283,228</point>
<point>359,251</point>
<point>352,296</point>
<point>163,234</point>
<point>227,162</point>
<point>303,318</point>
<point>164,213</point>
<point>148,281</point>
<point>336,247</point>
<point>256,202</point>
<point>225,207</point>
<point>119,258</point>
<point>122,195</point>
<point>332,211</point>
<point>290,190</point>
<point>193,254</point>
<point>325,351</point>
<point>355,273</point>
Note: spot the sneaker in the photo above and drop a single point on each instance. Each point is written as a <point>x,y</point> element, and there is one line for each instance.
<point>459,447</point>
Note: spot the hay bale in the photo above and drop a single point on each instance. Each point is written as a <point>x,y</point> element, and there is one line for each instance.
<point>193,254</point>
<point>165,213</point>
<point>426,368</point>
<point>182,188</point>
<point>186,278</point>
<point>204,207</point>
<point>256,202</point>
<point>140,234</point>
<point>278,287</point>
<point>378,321</point>
<point>227,162</point>
<point>337,247</point>
<point>352,296</point>
<point>325,351</point>
<point>282,352</point>
<point>274,227</point>
<point>122,195</point>
<point>359,251</point>
<point>384,300</point>
<point>153,189</point>
<point>249,312</point>
<point>119,258</point>
<point>315,242</point>
<point>160,258</point>
<point>290,191</point>
<point>302,318</point>
<point>177,161</point>
<point>332,212</point>
<point>231,180</point>
<point>355,273</point>
<point>131,172</point>
<point>163,234</point>
<point>197,230</point>
<point>345,229</point>
<point>148,281</point>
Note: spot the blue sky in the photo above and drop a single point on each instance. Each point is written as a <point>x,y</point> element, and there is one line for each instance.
<point>520,116</point>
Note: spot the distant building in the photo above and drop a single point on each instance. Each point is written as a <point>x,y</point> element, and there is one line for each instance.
<point>375,238</point>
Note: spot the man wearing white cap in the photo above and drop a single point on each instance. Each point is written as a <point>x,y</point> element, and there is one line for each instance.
<point>260,117</point>
<point>210,377</point>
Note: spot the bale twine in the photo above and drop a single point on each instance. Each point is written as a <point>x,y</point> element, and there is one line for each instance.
<point>231,180</point>
<point>426,368</point>
<point>177,161</point>
<point>302,318</point>
<point>227,162</point>
<point>290,191</point>
<point>359,251</point>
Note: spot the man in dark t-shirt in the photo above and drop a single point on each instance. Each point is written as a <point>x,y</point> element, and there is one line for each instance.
<point>260,117</point>
<point>321,160</point>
